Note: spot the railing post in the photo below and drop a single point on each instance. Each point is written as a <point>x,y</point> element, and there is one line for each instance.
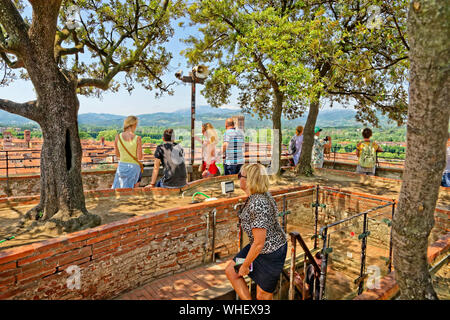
<point>7,175</point>
<point>207,237</point>
<point>284,214</point>
<point>316,219</point>
<point>213,253</point>
<point>334,161</point>
<point>305,260</point>
<point>291,277</point>
<point>323,268</point>
<point>363,255</point>
<point>390,240</point>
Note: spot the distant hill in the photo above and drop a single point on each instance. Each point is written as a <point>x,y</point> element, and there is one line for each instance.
<point>217,116</point>
<point>9,119</point>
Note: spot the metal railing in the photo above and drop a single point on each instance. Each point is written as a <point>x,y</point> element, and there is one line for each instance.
<point>337,150</point>
<point>297,238</point>
<point>10,159</point>
<point>326,236</point>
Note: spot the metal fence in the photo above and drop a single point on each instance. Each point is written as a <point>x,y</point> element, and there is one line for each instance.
<point>360,229</point>
<point>364,231</point>
<point>349,153</point>
<point>10,161</point>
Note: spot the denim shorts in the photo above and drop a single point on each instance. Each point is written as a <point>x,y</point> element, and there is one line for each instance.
<point>266,267</point>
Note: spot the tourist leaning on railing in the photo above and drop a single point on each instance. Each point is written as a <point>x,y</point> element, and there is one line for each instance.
<point>209,156</point>
<point>266,252</point>
<point>233,148</point>
<point>366,151</point>
<point>171,156</point>
<point>318,148</point>
<point>128,148</point>
<point>296,143</point>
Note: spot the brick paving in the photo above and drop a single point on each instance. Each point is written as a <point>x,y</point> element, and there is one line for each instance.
<point>185,285</point>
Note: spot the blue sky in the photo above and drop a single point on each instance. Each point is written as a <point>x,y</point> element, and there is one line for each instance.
<point>141,101</point>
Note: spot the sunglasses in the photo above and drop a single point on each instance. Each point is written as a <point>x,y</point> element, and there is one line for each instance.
<point>241,176</point>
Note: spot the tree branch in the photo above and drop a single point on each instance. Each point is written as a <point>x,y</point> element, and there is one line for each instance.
<point>27,109</point>
<point>372,68</point>
<point>43,27</point>
<point>15,26</point>
<point>91,82</point>
<point>12,64</point>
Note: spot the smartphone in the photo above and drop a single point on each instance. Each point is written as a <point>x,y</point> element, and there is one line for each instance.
<point>239,262</point>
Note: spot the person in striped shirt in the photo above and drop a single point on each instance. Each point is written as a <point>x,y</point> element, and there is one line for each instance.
<point>232,148</point>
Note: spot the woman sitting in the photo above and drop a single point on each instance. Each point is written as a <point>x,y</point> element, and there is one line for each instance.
<point>267,249</point>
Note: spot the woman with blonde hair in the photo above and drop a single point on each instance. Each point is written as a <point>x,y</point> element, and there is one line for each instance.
<point>263,258</point>
<point>209,157</point>
<point>128,148</point>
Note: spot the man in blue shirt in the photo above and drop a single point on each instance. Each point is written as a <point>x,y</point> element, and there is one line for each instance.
<point>233,148</point>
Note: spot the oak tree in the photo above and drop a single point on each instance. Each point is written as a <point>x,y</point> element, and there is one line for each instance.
<point>427,134</point>
<point>256,46</point>
<point>363,62</point>
<point>64,58</point>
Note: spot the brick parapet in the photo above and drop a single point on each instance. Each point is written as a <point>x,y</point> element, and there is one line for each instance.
<point>122,255</point>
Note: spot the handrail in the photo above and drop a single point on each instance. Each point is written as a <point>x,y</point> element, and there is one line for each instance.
<point>302,243</point>
<point>354,216</point>
<point>296,237</point>
<point>325,236</point>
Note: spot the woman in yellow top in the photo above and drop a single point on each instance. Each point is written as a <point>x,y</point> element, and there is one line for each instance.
<point>128,148</point>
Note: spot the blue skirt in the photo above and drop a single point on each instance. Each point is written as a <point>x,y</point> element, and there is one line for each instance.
<point>127,175</point>
<point>266,267</point>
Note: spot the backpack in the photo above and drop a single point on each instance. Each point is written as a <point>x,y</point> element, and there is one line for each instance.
<point>292,148</point>
<point>367,156</point>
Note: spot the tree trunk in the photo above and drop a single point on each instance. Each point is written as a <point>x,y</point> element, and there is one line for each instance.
<point>62,201</point>
<point>276,144</point>
<point>427,133</point>
<point>304,163</point>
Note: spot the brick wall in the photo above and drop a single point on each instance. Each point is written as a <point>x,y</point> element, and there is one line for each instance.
<point>30,185</point>
<point>97,180</point>
<point>119,256</point>
<point>123,255</point>
<point>92,180</point>
<point>387,172</point>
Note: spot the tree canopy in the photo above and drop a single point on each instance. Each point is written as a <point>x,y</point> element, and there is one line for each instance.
<point>94,40</point>
<point>261,45</point>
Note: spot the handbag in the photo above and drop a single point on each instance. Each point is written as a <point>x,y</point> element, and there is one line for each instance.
<point>134,158</point>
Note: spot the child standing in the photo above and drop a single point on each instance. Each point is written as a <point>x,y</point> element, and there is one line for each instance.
<point>366,151</point>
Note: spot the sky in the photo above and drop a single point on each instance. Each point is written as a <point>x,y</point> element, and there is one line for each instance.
<point>140,101</point>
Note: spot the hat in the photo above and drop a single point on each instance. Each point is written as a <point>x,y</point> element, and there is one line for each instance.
<point>317,129</point>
